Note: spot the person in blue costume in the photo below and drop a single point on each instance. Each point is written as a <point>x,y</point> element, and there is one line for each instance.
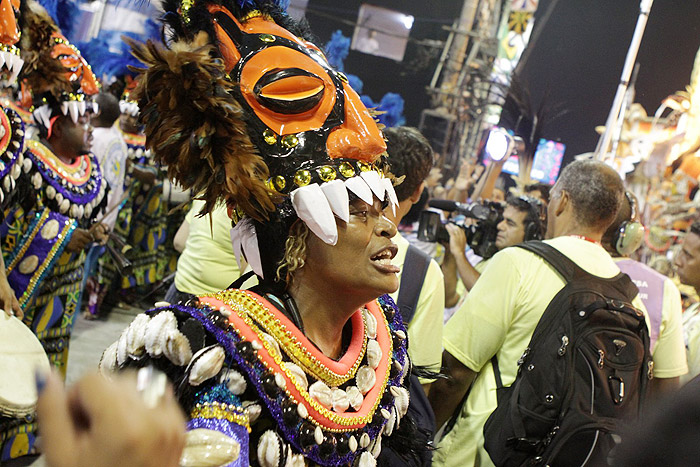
<point>310,366</point>
<point>46,231</point>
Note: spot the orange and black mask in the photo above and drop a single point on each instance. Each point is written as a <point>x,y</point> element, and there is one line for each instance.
<point>302,114</point>
<point>10,61</point>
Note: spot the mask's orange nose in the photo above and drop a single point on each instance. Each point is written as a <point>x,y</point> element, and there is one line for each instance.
<point>358,137</point>
<point>9,33</point>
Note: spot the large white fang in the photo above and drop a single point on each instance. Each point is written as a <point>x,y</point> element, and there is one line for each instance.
<point>43,115</point>
<point>245,241</point>
<point>358,186</point>
<point>393,199</point>
<point>375,183</point>
<point>312,207</point>
<point>337,196</point>
<point>74,111</point>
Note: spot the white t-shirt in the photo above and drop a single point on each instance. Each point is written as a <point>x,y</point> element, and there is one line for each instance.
<point>109,148</point>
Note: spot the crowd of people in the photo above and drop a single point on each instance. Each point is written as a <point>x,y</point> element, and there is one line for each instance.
<point>326,292</point>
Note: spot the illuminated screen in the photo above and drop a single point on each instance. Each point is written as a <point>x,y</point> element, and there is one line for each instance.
<point>546,165</point>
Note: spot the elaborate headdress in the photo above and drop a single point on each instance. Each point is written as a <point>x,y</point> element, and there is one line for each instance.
<point>60,79</point>
<point>127,105</point>
<point>240,107</point>
<point>10,60</point>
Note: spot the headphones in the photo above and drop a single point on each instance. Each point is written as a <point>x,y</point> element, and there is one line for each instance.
<point>534,229</point>
<point>629,234</point>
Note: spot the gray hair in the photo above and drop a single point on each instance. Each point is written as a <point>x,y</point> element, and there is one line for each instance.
<point>595,190</point>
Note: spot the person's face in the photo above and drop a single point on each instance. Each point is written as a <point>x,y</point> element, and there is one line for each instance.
<point>687,261</point>
<point>360,262</point>
<point>511,230</point>
<point>77,136</point>
<point>129,123</point>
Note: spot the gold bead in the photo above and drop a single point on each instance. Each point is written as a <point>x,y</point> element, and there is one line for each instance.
<point>270,137</point>
<point>327,173</point>
<point>267,38</point>
<point>364,166</point>
<point>280,183</point>
<point>290,141</point>
<point>346,170</point>
<point>302,178</point>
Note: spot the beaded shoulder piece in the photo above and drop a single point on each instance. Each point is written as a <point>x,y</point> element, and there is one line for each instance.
<point>136,148</point>
<point>330,412</point>
<point>12,160</point>
<point>72,189</point>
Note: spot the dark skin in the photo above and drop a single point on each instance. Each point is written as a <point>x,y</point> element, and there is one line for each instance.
<point>69,140</point>
<point>446,394</point>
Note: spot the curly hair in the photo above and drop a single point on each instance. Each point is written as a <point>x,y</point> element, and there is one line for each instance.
<point>410,154</point>
<point>294,251</point>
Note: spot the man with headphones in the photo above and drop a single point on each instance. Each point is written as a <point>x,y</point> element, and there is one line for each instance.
<point>524,219</point>
<point>659,294</point>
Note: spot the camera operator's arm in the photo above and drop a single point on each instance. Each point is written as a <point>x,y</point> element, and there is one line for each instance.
<point>458,243</point>
<point>449,273</point>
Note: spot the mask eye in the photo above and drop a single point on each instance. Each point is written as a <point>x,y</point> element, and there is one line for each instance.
<point>289,91</point>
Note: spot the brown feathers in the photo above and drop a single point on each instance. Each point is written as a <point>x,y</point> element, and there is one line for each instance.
<point>195,127</point>
<point>42,71</point>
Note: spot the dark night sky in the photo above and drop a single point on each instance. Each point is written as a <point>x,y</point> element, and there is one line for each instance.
<point>578,57</point>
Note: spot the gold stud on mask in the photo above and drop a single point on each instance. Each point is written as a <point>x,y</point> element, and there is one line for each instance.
<point>302,178</point>
<point>290,141</point>
<point>346,170</point>
<point>270,137</point>
<point>327,173</point>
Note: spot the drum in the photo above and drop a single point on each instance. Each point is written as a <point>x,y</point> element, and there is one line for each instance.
<point>21,356</point>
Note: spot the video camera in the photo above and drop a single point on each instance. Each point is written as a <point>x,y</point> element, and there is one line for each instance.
<point>481,237</point>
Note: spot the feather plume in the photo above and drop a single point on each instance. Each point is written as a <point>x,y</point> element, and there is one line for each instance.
<point>42,72</point>
<point>195,127</point>
<point>527,121</point>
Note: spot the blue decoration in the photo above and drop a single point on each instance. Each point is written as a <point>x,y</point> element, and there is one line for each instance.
<point>356,83</point>
<point>392,105</point>
<point>64,13</point>
<point>109,55</point>
<point>337,50</point>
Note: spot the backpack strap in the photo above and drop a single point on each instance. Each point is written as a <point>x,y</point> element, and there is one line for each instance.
<point>415,267</point>
<point>563,265</point>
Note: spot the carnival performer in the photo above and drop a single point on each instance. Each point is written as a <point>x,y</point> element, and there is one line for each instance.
<point>45,234</point>
<point>144,217</point>
<point>308,366</point>
<point>11,136</point>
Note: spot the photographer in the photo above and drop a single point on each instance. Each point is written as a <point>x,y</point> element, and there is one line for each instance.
<point>523,220</point>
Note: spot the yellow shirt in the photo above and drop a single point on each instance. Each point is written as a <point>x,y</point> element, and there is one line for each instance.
<point>498,318</point>
<point>207,263</point>
<point>691,331</point>
<point>425,329</point>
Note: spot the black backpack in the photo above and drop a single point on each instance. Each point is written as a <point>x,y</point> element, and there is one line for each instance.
<point>583,374</point>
